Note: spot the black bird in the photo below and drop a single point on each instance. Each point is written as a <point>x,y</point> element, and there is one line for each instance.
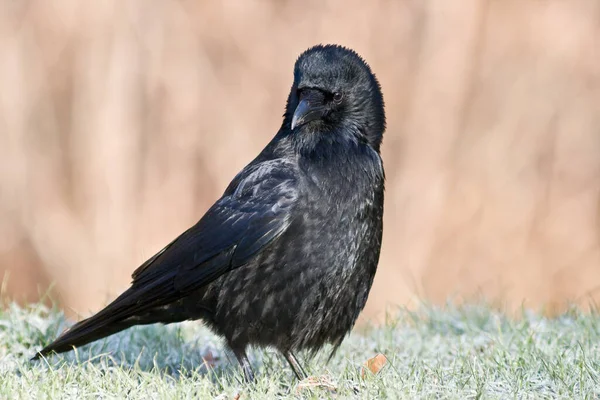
<point>286,257</point>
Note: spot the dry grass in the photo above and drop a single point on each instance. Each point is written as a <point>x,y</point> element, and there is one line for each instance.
<point>121,121</point>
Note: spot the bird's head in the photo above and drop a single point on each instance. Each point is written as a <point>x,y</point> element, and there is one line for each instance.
<point>334,91</point>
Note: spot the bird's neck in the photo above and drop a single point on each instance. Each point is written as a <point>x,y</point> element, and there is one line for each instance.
<point>346,163</point>
<point>309,143</point>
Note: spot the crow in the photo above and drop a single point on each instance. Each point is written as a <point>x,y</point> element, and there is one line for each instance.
<point>287,256</point>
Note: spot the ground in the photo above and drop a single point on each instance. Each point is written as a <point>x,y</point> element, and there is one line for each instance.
<point>435,352</point>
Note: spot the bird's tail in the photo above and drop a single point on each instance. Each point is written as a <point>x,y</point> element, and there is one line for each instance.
<point>121,314</point>
<point>80,334</point>
<point>112,319</point>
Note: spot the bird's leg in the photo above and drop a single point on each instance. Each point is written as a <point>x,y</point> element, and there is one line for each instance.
<point>323,382</point>
<point>245,364</point>
<point>298,370</point>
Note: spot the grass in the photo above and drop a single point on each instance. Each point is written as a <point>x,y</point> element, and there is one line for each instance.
<point>451,352</point>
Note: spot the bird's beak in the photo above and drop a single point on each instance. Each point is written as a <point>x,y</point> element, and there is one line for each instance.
<point>306,111</point>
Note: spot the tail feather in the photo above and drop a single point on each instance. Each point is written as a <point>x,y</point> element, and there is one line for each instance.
<point>122,313</point>
<point>145,304</point>
<point>80,334</point>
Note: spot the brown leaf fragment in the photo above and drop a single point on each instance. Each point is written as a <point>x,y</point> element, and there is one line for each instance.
<point>374,364</point>
<point>317,382</point>
<point>209,359</point>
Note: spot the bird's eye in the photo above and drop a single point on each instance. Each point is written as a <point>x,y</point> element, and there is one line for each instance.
<point>337,97</point>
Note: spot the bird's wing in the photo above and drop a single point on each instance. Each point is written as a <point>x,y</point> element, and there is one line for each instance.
<point>254,211</point>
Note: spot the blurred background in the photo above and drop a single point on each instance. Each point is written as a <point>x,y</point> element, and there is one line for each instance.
<point>122,121</point>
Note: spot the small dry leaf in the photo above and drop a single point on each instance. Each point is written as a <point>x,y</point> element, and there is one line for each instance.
<point>237,396</point>
<point>374,364</point>
<point>316,382</point>
<point>209,359</point>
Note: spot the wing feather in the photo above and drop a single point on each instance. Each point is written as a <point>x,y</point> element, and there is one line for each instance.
<point>248,217</point>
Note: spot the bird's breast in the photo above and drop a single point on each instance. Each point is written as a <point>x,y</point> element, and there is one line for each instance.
<point>343,207</point>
